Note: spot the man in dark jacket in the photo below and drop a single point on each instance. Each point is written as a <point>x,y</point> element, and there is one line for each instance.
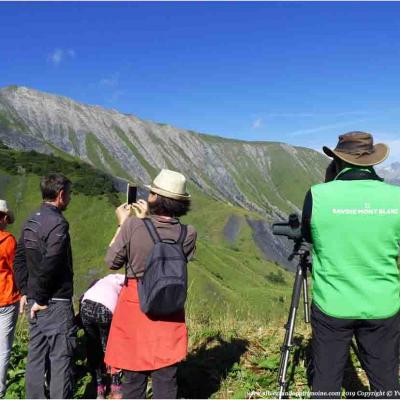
<point>353,221</point>
<point>44,275</point>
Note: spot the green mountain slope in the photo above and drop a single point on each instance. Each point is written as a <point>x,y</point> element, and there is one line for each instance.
<point>225,277</point>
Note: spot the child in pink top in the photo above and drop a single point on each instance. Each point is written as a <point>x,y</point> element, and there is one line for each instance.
<point>106,291</point>
<point>97,308</point>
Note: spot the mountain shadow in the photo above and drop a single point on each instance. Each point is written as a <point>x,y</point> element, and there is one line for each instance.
<point>201,374</point>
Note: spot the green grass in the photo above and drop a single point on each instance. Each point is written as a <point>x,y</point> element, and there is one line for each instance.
<point>269,186</point>
<point>231,278</point>
<point>290,179</point>
<point>74,141</point>
<point>228,358</point>
<point>61,154</point>
<point>223,277</point>
<point>252,181</point>
<point>227,281</point>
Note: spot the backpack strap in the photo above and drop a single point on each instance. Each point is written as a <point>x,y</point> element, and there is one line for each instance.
<point>183,234</point>
<point>156,237</point>
<point>152,230</point>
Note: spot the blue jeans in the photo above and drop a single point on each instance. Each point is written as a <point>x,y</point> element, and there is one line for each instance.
<point>8,321</point>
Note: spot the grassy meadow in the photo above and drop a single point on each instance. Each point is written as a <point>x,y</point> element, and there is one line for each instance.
<point>237,302</point>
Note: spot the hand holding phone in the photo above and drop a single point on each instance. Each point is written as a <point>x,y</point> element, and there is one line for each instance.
<point>122,213</point>
<point>141,209</point>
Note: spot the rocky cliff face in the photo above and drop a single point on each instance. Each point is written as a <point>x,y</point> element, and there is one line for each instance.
<point>267,177</point>
<point>391,173</point>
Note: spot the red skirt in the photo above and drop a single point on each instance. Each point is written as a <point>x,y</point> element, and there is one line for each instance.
<point>139,343</point>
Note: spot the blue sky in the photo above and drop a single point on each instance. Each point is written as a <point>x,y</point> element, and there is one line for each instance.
<point>300,73</point>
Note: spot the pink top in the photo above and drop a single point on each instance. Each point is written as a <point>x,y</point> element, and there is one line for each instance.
<point>106,291</point>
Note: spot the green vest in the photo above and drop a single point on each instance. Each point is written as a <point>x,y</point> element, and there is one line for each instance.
<point>355,226</point>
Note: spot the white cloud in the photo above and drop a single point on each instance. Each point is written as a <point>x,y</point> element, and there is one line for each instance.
<point>115,96</point>
<point>290,115</point>
<point>314,114</point>
<point>325,127</point>
<point>59,55</point>
<point>110,86</point>
<point>346,113</point>
<point>111,81</point>
<point>257,123</point>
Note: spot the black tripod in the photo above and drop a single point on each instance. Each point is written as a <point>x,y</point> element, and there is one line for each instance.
<point>299,283</point>
<point>292,230</point>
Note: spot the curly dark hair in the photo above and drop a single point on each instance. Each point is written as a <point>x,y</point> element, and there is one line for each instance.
<point>169,207</point>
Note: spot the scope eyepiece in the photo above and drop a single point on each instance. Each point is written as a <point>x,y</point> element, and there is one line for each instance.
<point>290,229</point>
<point>294,220</point>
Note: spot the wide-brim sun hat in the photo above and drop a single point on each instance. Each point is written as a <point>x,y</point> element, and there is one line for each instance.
<point>170,184</point>
<point>358,148</point>
<point>4,209</point>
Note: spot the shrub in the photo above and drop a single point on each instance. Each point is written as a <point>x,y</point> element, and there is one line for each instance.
<point>86,179</point>
<point>276,277</point>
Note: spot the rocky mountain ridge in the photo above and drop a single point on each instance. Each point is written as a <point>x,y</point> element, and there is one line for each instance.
<point>267,177</point>
<point>391,173</point>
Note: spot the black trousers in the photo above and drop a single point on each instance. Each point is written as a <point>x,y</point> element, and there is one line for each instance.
<point>52,342</point>
<point>378,345</point>
<point>96,320</point>
<point>165,386</point>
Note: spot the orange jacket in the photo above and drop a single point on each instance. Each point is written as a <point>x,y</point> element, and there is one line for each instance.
<point>9,293</point>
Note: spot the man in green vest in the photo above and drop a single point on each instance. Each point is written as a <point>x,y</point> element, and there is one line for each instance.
<point>353,222</point>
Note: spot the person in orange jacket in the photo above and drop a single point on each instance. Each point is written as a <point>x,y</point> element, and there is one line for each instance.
<point>9,295</point>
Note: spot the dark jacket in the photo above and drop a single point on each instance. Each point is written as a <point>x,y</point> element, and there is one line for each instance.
<point>43,260</point>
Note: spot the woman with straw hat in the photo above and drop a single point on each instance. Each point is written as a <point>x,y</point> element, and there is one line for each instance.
<point>139,344</point>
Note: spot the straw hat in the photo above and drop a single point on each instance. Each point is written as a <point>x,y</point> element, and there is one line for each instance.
<point>170,184</point>
<point>4,209</point>
<point>357,148</point>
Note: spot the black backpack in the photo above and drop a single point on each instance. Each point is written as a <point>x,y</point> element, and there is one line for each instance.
<point>163,286</point>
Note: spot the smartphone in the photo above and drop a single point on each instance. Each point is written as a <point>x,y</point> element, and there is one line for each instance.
<point>131,192</point>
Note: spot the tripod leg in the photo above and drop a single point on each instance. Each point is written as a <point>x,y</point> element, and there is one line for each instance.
<point>305,299</point>
<point>287,343</point>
